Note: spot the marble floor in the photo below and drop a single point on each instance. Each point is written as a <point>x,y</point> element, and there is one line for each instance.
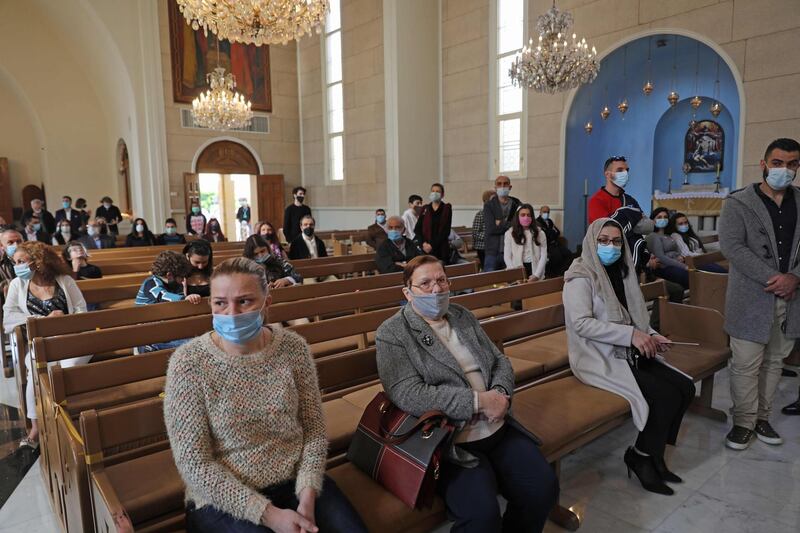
<point>754,491</point>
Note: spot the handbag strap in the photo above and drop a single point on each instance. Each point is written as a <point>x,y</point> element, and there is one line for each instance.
<point>426,422</point>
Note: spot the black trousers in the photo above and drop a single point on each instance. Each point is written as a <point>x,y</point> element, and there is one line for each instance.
<point>668,394</point>
<point>481,256</point>
<point>511,465</point>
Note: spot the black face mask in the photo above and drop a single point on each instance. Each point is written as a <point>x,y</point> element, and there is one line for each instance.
<point>300,199</point>
<point>201,290</point>
<point>308,232</point>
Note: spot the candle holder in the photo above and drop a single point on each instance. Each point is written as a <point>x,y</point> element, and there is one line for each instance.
<point>717,182</point>
<point>669,181</point>
<point>686,168</point>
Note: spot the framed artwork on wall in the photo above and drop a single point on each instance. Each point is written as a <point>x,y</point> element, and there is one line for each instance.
<point>193,55</point>
<point>704,147</point>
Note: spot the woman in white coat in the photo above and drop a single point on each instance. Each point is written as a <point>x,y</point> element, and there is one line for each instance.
<point>43,287</point>
<point>613,347</point>
<point>526,244</point>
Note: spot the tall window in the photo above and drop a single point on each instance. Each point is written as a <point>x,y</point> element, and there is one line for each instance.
<point>334,95</point>
<point>509,103</point>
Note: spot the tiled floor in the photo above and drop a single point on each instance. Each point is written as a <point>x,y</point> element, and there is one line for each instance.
<point>756,491</point>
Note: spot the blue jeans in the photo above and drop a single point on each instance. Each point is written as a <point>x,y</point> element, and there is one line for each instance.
<point>493,262</point>
<point>674,274</point>
<point>162,345</point>
<point>332,512</point>
<point>510,464</point>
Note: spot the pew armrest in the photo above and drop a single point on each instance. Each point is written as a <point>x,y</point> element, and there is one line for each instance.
<point>691,323</point>
<point>106,505</point>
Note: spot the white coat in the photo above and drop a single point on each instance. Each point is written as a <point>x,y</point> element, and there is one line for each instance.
<point>513,253</point>
<point>15,310</point>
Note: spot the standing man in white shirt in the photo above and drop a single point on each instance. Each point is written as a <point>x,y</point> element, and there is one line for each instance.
<point>411,214</point>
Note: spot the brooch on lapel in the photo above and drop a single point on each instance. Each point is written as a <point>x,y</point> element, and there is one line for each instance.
<point>427,340</point>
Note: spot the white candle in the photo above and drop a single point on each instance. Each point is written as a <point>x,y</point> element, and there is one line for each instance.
<point>586,187</point>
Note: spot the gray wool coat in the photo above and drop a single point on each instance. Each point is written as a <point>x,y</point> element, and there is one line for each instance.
<point>747,240</point>
<point>419,374</point>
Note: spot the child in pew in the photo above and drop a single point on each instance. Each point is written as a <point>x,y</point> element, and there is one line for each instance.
<point>201,257</point>
<point>244,417</point>
<point>280,273</point>
<point>42,287</point>
<point>167,283</point>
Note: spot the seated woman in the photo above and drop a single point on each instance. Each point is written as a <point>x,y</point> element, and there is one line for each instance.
<point>267,230</point>
<point>612,347</point>
<point>76,255</point>
<point>252,455</point>
<point>201,257</point>
<point>433,355</point>
<point>42,287</point>
<point>689,245</point>
<point>170,235</point>
<point>140,236</point>
<point>214,232</point>
<point>63,234</point>
<point>526,244</point>
<point>672,265</point>
<point>167,283</point>
<point>280,273</point>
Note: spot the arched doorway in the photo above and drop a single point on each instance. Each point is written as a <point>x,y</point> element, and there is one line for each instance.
<point>123,177</point>
<point>225,172</point>
<point>622,75</point>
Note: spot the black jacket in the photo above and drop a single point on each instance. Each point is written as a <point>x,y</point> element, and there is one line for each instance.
<point>41,236</point>
<point>75,219</point>
<point>388,254</point>
<point>299,250</point>
<point>494,233</point>
<point>109,214</point>
<point>106,241</point>
<point>243,214</point>
<point>291,221</point>
<point>45,217</point>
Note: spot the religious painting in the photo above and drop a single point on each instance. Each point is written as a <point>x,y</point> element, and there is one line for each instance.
<point>704,147</point>
<point>194,54</point>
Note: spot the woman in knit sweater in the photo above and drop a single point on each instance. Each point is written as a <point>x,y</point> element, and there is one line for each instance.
<point>245,422</point>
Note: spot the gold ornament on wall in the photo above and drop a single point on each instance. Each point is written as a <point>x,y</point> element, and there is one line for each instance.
<point>648,88</point>
<point>623,106</point>
<point>588,128</point>
<point>696,101</point>
<point>716,109</point>
<point>605,112</point>
<point>672,98</point>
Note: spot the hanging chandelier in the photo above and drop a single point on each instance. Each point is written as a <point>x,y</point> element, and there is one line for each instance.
<point>255,21</point>
<point>554,64</point>
<point>220,107</point>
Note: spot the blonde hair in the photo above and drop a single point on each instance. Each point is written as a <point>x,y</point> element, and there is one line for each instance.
<point>242,265</point>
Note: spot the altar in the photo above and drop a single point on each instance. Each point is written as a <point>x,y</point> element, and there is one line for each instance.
<point>694,201</point>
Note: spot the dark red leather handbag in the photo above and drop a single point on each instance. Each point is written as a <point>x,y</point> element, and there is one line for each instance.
<point>401,452</point>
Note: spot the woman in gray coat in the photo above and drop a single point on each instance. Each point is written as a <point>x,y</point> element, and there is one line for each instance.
<point>435,356</point>
<point>613,347</point>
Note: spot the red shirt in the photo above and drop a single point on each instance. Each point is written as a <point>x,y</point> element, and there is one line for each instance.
<point>603,204</point>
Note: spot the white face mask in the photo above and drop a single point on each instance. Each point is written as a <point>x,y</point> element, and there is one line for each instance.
<point>545,216</point>
<point>779,178</point>
<point>621,179</point>
<point>139,228</point>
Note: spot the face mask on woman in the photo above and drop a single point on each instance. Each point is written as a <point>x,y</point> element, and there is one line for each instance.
<point>661,223</point>
<point>435,196</point>
<point>23,271</point>
<point>107,205</point>
<point>525,221</point>
<point>66,230</point>
<point>139,228</point>
<point>683,228</point>
<point>608,253</point>
<point>261,259</point>
<point>432,306</point>
<point>240,328</point>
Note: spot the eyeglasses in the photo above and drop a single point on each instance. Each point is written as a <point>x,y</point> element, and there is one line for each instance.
<point>428,284</point>
<point>605,241</point>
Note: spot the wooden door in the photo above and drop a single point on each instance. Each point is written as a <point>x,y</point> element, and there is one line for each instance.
<point>6,210</point>
<point>270,198</point>
<point>191,190</point>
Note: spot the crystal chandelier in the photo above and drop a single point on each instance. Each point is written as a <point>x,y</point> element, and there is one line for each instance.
<point>255,21</point>
<point>220,108</point>
<point>554,64</point>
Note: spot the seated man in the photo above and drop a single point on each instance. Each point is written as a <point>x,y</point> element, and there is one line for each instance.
<point>94,238</point>
<point>376,233</point>
<point>395,251</point>
<point>307,245</point>
<point>167,283</point>
<point>170,235</point>
<point>33,230</point>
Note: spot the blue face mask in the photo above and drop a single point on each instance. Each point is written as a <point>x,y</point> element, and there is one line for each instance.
<point>195,210</point>
<point>380,219</point>
<point>65,205</point>
<point>240,328</point>
<point>37,227</point>
<point>23,271</point>
<point>10,249</point>
<point>661,223</point>
<point>683,228</point>
<point>779,178</point>
<point>261,259</point>
<point>621,179</point>
<point>503,192</point>
<point>394,235</point>
<point>432,305</point>
<point>545,216</point>
<point>609,254</point>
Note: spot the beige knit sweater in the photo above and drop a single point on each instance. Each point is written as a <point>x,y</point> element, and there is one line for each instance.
<point>239,423</point>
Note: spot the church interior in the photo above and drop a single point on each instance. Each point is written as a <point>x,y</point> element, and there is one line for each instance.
<point>317,152</point>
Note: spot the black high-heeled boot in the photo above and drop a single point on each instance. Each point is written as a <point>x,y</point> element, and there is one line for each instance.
<point>663,471</point>
<point>645,469</point>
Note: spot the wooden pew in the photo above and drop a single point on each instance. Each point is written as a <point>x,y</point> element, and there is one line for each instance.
<point>707,289</point>
<point>698,261</point>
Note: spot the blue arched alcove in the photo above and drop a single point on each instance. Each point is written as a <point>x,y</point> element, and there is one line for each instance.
<point>651,133</point>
